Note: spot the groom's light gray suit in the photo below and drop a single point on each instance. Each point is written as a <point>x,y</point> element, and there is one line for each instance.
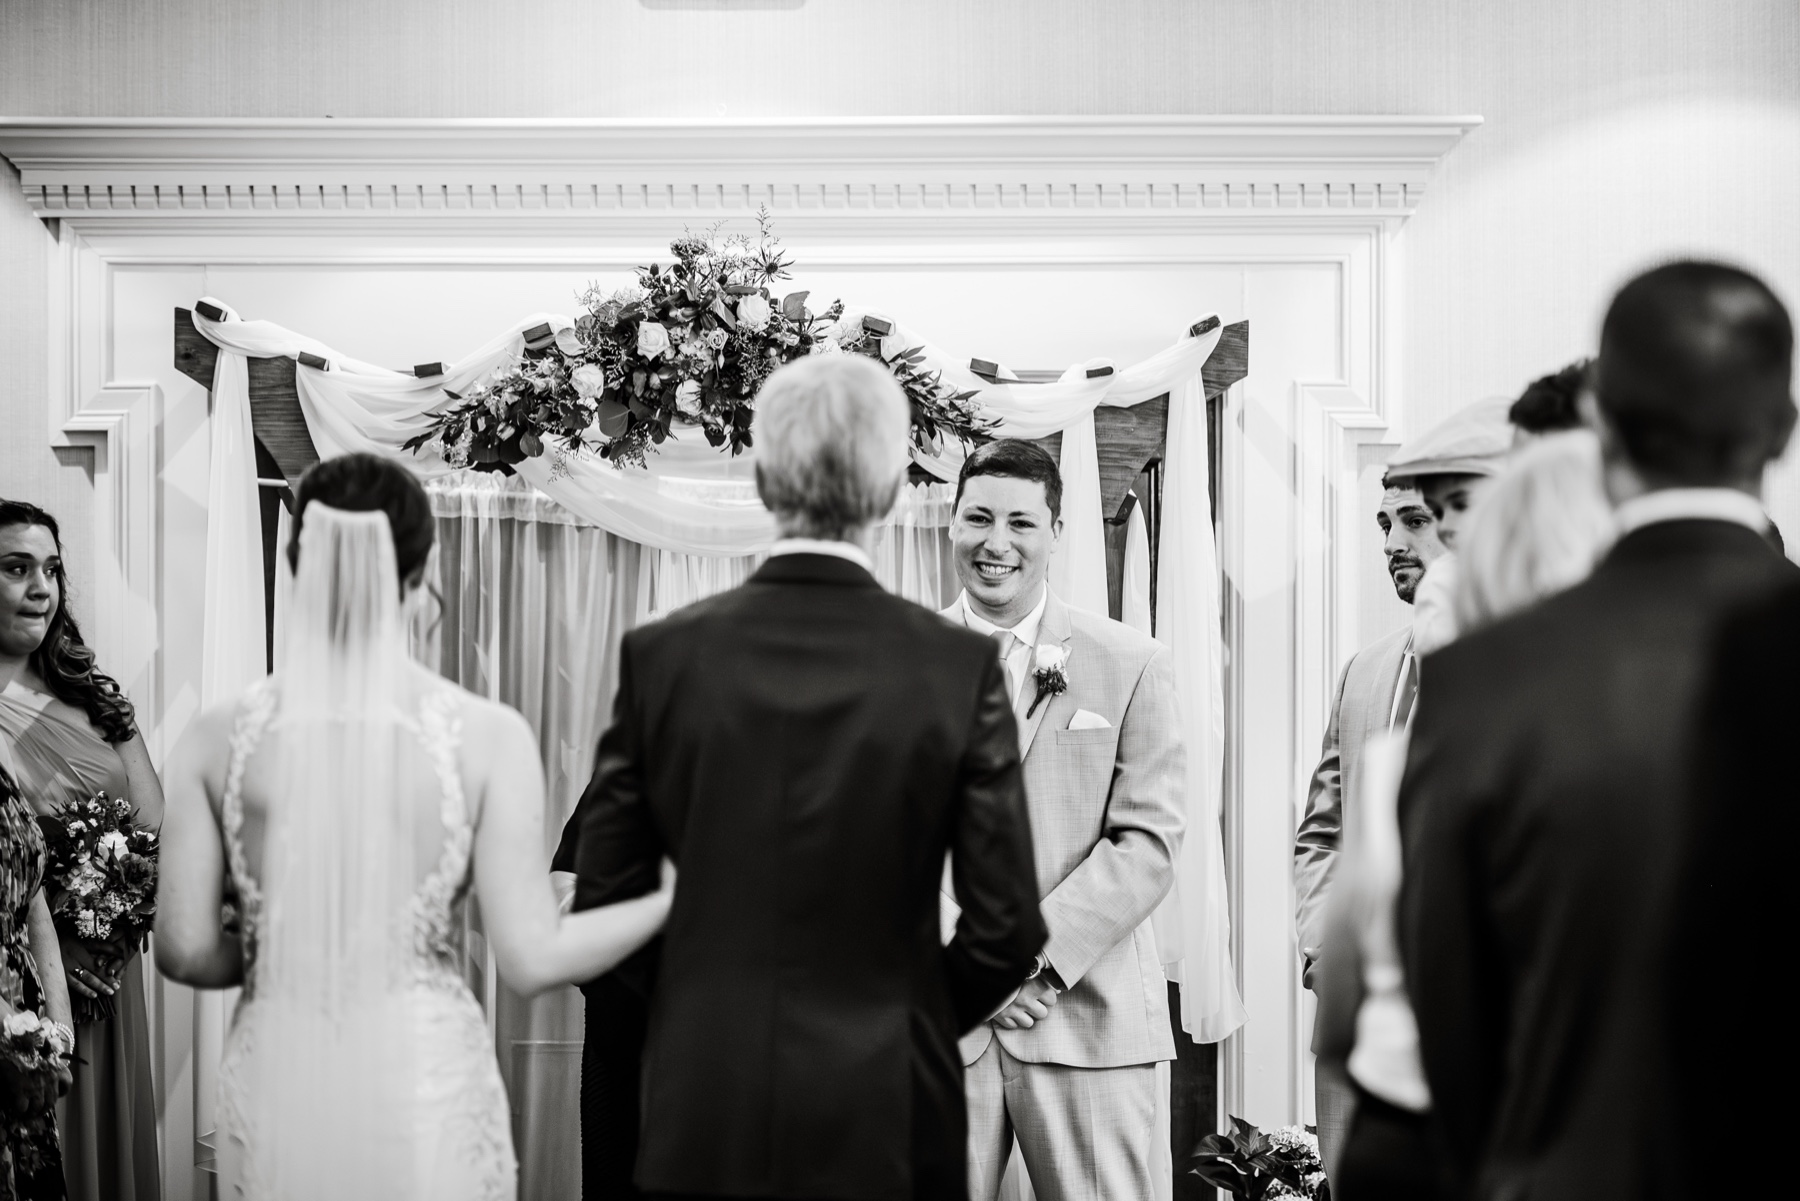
<point>1106,805</point>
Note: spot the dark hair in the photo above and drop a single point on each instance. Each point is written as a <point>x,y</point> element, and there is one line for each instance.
<point>362,483</point>
<point>65,662</point>
<point>1551,403</point>
<point>1696,362</point>
<point>1019,459</point>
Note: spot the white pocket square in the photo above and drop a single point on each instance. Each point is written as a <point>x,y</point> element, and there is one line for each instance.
<point>1085,720</point>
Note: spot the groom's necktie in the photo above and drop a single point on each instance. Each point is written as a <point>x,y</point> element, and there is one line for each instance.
<point>1006,641</point>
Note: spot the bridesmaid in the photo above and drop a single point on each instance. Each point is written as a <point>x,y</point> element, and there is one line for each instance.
<point>30,980</point>
<point>69,733</point>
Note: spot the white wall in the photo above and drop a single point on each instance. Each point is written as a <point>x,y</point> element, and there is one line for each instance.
<point>1618,131</point>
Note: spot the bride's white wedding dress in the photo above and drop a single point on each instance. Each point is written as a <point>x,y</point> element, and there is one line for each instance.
<point>358,1064</point>
<point>463,1144</point>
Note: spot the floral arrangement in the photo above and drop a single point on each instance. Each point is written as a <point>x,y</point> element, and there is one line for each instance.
<point>1050,669</point>
<point>100,877</point>
<point>34,1051</point>
<point>691,341</point>
<point>1262,1167</point>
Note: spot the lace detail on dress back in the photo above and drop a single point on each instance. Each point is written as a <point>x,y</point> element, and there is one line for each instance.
<point>462,1120</point>
<point>432,910</point>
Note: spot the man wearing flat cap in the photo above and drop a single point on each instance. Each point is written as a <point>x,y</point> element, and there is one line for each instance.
<point>1375,692</point>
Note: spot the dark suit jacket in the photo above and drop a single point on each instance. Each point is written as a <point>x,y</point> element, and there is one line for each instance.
<point>1730,1022</point>
<point>1542,818</point>
<point>806,748</point>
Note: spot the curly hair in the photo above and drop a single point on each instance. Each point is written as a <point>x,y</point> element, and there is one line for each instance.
<point>1552,403</point>
<point>65,662</point>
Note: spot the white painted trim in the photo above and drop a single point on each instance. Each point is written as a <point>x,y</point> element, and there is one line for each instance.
<point>184,168</point>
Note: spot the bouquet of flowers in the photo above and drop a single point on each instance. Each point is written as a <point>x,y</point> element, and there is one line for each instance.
<point>100,879</point>
<point>34,1051</point>
<point>693,340</point>
<point>1262,1167</point>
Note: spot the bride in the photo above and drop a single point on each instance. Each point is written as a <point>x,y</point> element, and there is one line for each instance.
<point>342,808</point>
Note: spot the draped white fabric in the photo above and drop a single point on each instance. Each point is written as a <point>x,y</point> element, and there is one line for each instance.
<point>1083,542</point>
<point>232,652</point>
<point>609,548</point>
<point>694,500</point>
<point>1187,620</point>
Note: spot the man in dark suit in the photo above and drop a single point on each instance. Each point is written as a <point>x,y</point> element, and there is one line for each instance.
<point>1728,1025</point>
<point>806,748</point>
<point>1541,809</point>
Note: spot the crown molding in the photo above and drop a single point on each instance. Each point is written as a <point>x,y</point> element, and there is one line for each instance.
<point>971,167</point>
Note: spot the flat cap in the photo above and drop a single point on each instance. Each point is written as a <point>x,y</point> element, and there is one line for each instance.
<point>1474,440</point>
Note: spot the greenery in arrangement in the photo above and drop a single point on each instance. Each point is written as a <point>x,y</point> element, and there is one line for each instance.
<point>1262,1167</point>
<point>691,341</point>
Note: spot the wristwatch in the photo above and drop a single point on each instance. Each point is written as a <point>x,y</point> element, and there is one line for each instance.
<point>1041,967</point>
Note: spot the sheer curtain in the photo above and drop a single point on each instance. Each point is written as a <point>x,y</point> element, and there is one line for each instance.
<point>533,603</point>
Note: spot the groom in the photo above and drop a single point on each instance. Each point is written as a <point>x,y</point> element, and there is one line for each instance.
<point>1068,1067</point>
<point>806,748</point>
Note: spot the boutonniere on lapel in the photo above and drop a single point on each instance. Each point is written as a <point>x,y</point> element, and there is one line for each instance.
<point>1050,668</point>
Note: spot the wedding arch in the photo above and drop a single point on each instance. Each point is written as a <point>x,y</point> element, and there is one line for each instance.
<point>695,502</point>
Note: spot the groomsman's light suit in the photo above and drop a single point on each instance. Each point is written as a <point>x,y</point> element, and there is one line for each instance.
<point>1104,771</point>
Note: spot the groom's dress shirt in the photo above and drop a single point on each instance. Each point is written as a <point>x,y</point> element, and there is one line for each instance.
<point>1024,639</point>
<point>807,747</point>
<point>1543,823</point>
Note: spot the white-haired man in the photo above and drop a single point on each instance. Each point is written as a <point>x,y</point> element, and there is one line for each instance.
<point>807,748</point>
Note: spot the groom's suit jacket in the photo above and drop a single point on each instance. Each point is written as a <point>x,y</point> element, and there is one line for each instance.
<point>1107,814</point>
<point>1543,820</point>
<point>807,747</point>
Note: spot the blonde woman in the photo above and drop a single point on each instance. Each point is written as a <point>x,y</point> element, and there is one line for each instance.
<point>1540,527</point>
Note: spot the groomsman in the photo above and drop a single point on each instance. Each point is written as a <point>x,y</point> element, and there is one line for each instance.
<point>1374,693</point>
<point>1068,1066</point>
<point>1551,759</point>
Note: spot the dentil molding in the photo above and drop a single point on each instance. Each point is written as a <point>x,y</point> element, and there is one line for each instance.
<point>1005,167</point>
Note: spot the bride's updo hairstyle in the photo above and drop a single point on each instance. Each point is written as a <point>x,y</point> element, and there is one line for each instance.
<point>361,483</point>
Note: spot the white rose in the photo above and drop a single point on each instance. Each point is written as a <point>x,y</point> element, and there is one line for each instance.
<point>113,845</point>
<point>21,1021</point>
<point>687,398</point>
<point>568,341</point>
<point>753,312</point>
<point>1050,656</point>
<point>653,340</point>
<point>589,381</point>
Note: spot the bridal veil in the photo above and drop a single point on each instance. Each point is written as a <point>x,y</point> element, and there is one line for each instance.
<point>335,1113</point>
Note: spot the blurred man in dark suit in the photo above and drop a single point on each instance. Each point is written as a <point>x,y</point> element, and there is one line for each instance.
<point>807,748</point>
<point>1729,1021</point>
<point>1550,760</point>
